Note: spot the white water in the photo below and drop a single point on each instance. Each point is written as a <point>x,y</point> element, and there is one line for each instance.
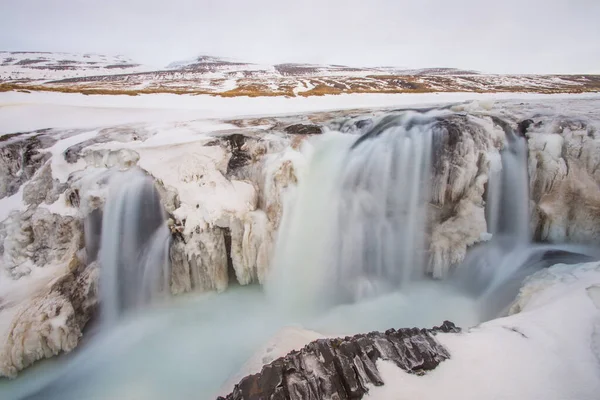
<point>356,229</point>
<point>489,266</point>
<point>509,193</point>
<point>134,246</point>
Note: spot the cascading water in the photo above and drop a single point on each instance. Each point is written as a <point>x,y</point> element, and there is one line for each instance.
<point>357,226</point>
<point>489,266</point>
<point>493,272</point>
<point>134,246</point>
<point>508,193</point>
<point>381,217</point>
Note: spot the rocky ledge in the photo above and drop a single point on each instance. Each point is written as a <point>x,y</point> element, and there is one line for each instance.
<point>344,368</point>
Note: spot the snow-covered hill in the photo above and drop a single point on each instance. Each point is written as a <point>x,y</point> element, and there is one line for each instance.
<point>92,74</point>
<point>41,66</point>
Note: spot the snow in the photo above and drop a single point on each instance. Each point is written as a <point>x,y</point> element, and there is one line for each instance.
<point>60,168</point>
<point>41,66</point>
<point>543,352</point>
<point>16,292</point>
<point>283,342</point>
<point>11,203</point>
<point>171,134</point>
<point>61,110</point>
<point>60,207</point>
<point>196,171</point>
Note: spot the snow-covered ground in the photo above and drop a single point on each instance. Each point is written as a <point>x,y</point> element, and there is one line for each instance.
<point>550,350</point>
<point>59,110</point>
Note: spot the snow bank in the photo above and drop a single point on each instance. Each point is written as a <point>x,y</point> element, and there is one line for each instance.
<point>549,350</point>
<point>60,110</point>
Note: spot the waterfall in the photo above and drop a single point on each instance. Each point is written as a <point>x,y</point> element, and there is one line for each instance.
<point>508,194</point>
<point>134,246</point>
<point>498,262</point>
<point>493,272</point>
<point>356,228</point>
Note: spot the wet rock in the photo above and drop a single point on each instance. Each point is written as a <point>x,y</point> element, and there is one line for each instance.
<point>523,126</point>
<point>239,157</point>
<point>304,129</point>
<point>364,124</point>
<point>344,368</point>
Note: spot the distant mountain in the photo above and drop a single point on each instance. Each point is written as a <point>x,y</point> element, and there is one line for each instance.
<point>41,66</point>
<point>210,64</point>
<point>97,74</point>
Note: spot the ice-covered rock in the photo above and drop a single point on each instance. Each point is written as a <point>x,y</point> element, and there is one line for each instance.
<point>464,148</point>
<point>51,320</point>
<point>21,155</point>
<point>564,168</point>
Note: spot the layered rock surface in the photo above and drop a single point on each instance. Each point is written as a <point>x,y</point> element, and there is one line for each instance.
<point>344,368</point>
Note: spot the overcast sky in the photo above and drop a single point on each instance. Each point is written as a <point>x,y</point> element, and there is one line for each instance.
<point>518,36</point>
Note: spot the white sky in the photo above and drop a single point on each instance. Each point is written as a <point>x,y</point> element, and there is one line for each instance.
<point>506,36</point>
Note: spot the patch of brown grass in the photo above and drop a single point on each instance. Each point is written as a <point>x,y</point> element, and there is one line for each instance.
<point>98,91</point>
<point>385,84</point>
<point>256,90</point>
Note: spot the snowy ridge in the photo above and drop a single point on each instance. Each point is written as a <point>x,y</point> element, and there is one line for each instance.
<point>93,74</point>
<point>42,66</point>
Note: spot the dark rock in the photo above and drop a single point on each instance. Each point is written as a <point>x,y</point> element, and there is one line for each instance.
<point>304,129</point>
<point>523,126</point>
<point>364,123</point>
<point>239,157</point>
<point>344,368</point>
